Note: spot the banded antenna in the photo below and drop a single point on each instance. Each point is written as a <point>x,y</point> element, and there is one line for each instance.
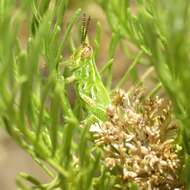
<point>84,28</point>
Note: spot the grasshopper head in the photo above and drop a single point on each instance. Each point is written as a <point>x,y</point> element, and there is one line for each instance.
<point>85,51</point>
<point>80,55</point>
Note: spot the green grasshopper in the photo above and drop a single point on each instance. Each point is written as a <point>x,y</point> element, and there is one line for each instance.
<point>87,79</point>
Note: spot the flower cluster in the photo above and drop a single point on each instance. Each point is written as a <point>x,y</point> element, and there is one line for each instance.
<point>138,141</point>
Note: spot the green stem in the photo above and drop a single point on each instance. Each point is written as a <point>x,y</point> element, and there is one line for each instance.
<point>155,90</point>
<point>125,77</point>
<point>58,167</point>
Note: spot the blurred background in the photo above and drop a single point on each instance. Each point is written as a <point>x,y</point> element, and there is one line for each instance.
<point>12,158</point>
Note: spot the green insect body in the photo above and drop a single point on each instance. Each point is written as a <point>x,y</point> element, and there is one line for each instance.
<point>88,81</point>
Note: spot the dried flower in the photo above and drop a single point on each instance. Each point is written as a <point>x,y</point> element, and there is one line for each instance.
<point>137,139</point>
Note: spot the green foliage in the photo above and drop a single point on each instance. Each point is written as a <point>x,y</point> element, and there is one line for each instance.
<point>34,102</point>
<point>35,76</point>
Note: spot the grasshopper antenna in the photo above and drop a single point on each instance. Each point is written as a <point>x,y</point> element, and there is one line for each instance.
<point>84,28</point>
<point>87,27</point>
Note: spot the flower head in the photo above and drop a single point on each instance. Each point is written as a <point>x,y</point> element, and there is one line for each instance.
<point>138,139</point>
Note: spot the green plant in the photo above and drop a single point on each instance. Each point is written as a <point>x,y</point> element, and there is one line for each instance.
<point>36,75</point>
<point>35,108</point>
<point>160,29</point>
